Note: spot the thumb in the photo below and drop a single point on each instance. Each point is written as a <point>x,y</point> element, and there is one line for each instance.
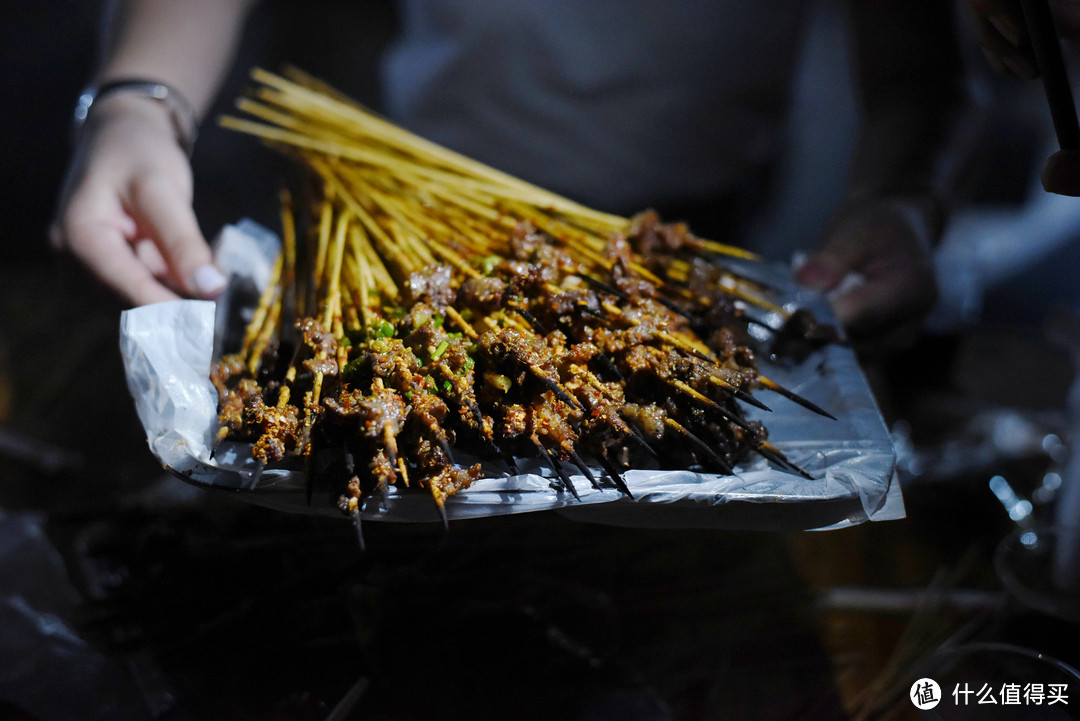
<point>825,269</point>
<point>170,222</point>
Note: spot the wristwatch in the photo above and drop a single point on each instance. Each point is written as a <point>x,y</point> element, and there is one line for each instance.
<point>185,121</point>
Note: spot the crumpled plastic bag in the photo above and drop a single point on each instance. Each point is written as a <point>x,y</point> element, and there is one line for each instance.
<point>48,670</point>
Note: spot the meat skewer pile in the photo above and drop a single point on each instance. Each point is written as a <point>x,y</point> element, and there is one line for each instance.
<point>437,306</point>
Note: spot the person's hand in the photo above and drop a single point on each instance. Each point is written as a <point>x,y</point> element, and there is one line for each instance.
<point>126,213</point>
<point>875,266</point>
<point>1002,35</point>
<point>1000,30</point>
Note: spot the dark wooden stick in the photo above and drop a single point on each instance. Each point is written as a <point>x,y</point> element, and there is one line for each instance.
<point>771,453</point>
<point>1047,49</point>
<point>585,471</point>
<point>553,461</point>
<point>795,397</point>
<point>614,474</point>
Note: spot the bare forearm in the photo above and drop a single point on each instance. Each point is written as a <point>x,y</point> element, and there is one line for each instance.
<point>125,210</point>
<point>913,152</point>
<point>188,44</point>
<point>916,128</point>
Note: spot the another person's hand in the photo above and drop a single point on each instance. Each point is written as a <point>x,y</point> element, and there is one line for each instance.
<point>1002,34</point>
<point>126,213</point>
<point>999,27</point>
<point>876,267</point>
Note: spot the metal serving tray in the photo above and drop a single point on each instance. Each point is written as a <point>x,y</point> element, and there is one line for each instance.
<point>168,348</point>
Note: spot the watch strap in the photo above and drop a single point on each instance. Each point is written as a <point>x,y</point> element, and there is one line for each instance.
<point>181,113</point>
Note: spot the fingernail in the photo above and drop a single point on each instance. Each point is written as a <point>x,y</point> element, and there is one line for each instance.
<point>208,280</point>
<point>1021,66</point>
<point>1007,28</point>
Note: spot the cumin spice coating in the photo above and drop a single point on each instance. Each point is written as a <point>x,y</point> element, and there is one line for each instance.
<point>435,305</point>
<point>543,362</point>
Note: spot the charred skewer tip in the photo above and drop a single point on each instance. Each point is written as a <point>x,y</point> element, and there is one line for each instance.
<point>585,471</point>
<point>556,465</point>
<point>794,397</point>
<point>772,453</point>
<point>615,476</point>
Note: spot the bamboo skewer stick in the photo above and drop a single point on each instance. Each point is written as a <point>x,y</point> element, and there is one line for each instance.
<point>262,310</point>
<point>269,327</point>
<point>337,120</point>
<point>422,148</point>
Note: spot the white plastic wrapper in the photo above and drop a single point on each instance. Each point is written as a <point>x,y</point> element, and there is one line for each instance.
<point>168,349</point>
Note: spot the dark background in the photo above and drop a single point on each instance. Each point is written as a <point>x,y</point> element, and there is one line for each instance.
<point>192,607</point>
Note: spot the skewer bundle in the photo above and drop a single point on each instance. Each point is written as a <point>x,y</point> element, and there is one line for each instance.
<point>432,305</point>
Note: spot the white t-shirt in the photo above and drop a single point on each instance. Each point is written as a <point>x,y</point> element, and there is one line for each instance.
<point>620,104</point>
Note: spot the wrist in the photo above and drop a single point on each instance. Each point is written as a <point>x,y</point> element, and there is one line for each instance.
<point>923,211</point>
<point>135,95</point>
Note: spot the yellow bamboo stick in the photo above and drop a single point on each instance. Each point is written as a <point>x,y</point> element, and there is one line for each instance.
<point>261,312</point>
<point>419,146</point>
<point>333,303</point>
<point>269,328</point>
